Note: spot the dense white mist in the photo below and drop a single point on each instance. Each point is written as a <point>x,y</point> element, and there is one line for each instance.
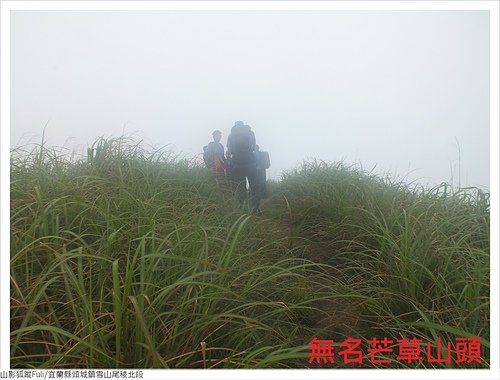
<point>402,91</point>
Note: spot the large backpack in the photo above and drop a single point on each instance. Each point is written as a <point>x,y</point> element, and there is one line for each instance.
<point>242,145</point>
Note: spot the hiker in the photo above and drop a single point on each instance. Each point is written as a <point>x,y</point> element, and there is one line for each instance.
<point>240,151</point>
<point>263,163</point>
<point>213,155</point>
<point>206,159</point>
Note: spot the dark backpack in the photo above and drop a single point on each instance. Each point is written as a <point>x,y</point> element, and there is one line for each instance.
<point>242,145</point>
<point>241,140</point>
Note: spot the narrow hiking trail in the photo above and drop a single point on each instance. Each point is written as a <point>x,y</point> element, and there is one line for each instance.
<point>339,318</point>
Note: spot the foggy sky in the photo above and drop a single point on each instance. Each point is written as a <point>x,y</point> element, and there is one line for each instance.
<point>404,91</point>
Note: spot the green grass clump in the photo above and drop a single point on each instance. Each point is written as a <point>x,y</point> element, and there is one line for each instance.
<point>416,260</point>
<point>137,259</point>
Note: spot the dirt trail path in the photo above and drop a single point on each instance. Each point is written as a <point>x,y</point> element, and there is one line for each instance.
<point>339,317</point>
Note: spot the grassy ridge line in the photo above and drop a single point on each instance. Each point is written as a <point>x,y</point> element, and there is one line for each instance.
<point>131,261</point>
<point>136,259</point>
<point>419,257</point>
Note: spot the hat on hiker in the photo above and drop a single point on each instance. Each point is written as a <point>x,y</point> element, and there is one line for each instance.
<point>238,123</point>
<point>216,132</point>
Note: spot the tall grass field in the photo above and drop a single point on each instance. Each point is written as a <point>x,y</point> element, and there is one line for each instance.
<point>131,258</point>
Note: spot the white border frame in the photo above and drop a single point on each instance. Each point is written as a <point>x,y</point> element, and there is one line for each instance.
<point>491,6</point>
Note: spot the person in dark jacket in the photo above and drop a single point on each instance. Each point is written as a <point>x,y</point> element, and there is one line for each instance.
<point>240,151</point>
<point>213,155</point>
